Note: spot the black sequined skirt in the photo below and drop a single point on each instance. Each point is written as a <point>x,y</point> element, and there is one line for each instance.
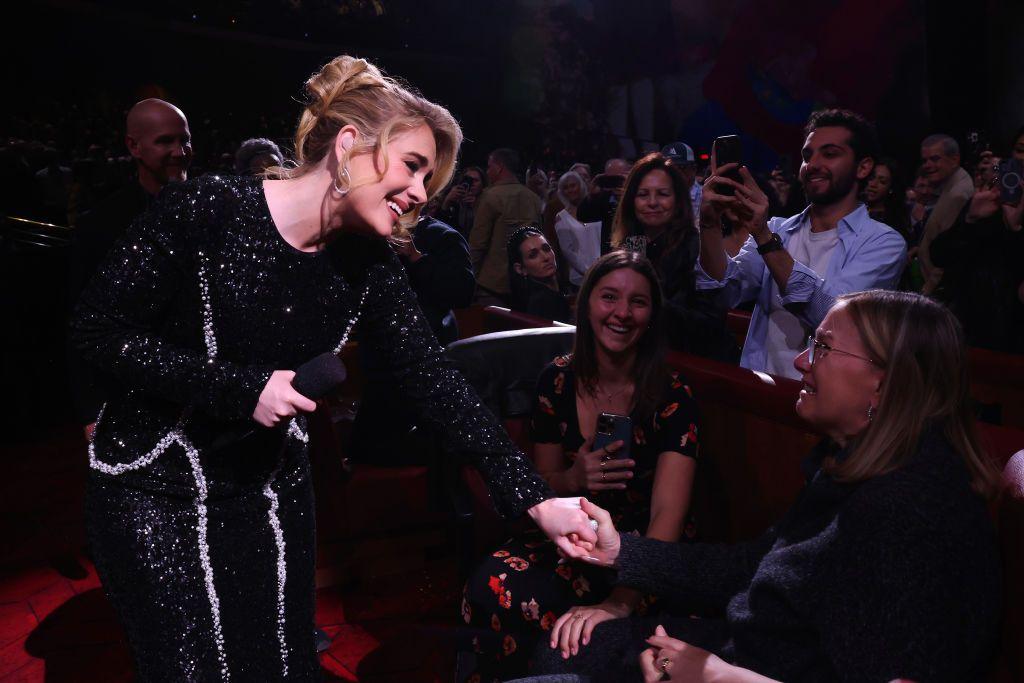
<point>236,605</point>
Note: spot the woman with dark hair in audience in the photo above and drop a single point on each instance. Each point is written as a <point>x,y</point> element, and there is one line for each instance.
<point>655,218</point>
<point>533,276</point>
<point>885,197</point>
<point>617,367</point>
<point>886,565</point>
<point>199,505</point>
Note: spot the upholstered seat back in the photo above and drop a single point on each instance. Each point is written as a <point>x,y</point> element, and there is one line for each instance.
<point>503,366</point>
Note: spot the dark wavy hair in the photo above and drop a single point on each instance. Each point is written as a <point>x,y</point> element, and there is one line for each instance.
<point>896,214</point>
<point>519,284</point>
<point>626,222</point>
<point>863,138</point>
<point>649,369</point>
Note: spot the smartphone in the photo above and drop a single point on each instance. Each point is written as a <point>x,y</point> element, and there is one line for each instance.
<point>612,428</point>
<point>1010,189</point>
<point>728,149</point>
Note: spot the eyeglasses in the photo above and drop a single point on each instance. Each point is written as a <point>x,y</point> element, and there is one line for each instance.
<point>816,350</point>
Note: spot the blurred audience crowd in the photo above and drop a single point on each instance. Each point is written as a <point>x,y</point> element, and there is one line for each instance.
<point>957,214</point>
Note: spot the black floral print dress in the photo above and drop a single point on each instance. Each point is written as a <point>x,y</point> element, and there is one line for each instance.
<point>522,588</point>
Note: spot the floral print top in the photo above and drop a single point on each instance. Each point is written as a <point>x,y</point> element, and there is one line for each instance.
<point>672,427</point>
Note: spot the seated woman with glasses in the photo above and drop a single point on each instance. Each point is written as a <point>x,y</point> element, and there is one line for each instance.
<point>617,367</point>
<point>885,567</point>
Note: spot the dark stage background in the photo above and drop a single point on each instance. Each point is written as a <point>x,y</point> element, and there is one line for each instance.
<point>560,80</point>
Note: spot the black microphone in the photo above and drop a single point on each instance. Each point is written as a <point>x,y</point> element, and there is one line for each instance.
<point>318,377</point>
<point>314,379</point>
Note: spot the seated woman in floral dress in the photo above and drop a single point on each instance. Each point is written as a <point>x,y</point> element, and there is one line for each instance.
<point>617,367</point>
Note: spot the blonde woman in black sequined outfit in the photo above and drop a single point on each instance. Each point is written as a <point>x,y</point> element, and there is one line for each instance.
<point>203,536</point>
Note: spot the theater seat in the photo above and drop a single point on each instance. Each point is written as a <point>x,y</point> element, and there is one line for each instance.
<point>503,368</point>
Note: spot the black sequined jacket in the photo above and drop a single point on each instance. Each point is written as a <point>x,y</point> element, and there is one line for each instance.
<point>202,300</point>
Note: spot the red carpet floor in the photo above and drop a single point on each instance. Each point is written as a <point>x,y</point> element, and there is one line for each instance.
<point>56,625</point>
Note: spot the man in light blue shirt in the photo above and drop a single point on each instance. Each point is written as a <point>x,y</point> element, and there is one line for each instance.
<point>794,268</point>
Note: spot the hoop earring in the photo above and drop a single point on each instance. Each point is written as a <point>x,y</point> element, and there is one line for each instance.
<point>348,181</point>
<point>871,413</point>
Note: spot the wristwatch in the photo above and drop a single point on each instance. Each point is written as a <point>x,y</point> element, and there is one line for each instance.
<point>772,244</point>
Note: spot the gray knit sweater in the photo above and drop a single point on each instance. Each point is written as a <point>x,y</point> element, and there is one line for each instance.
<point>893,577</point>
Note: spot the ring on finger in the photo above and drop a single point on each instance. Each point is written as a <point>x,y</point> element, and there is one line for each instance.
<point>603,475</point>
<point>665,661</point>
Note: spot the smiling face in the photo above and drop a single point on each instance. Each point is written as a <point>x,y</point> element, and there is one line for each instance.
<point>879,186</point>
<point>655,202</point>
<point>830,170</point>
<point>619,310</point>
<point>936,165</point>
<point>373,206</point>
<point>537,258</point>
<point>839,387</point>
<point>161,143</point>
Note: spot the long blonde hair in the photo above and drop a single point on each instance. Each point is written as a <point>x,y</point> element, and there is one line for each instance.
<point>921,346</point>
<point>352,91</point>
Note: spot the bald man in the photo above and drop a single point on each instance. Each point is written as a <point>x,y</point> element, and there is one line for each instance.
<point>158,138</point>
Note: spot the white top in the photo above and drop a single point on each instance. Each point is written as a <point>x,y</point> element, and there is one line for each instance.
<point>580,244</point>
<point>787,336</point>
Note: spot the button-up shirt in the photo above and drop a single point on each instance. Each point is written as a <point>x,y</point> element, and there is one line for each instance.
<point>869,255</point>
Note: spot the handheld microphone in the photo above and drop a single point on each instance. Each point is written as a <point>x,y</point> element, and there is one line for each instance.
<point>314,379</point>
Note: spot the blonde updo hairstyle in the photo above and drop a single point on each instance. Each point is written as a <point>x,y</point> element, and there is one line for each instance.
<point>351,91</point>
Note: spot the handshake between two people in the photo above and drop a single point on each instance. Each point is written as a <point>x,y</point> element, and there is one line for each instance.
<point>580,529</point>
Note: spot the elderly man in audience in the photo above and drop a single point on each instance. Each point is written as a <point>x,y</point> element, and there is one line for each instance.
<point>796,267</point>
<point>940,165</point>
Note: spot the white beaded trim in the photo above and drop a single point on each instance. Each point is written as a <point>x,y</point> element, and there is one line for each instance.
<point>177,435</point>
<point>204,554</point>
<point>282,568</point>
<point>209,338</point>
<point>355,319</point>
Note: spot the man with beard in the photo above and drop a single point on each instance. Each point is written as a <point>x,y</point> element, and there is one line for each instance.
<point>159,140</point>
<point>795,267</point>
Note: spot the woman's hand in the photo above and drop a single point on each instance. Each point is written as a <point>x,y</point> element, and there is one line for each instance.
<point>565,523</point>
<point>280,400</point>
<point>600,470</point>
<point>677,660</point>
<point>606,550</point>
<point>670,659</point>
<point>575,627</point>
